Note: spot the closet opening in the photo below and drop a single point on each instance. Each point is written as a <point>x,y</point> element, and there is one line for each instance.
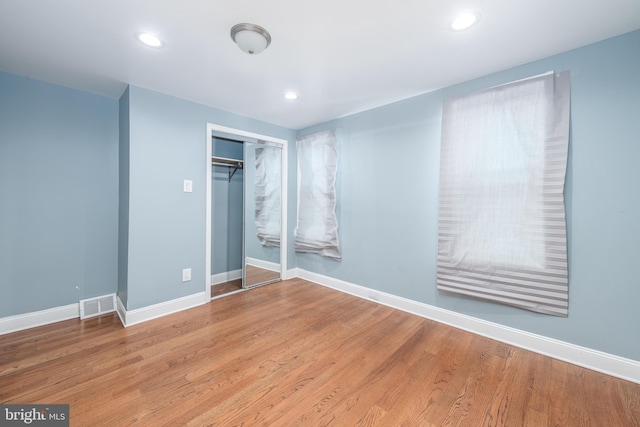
<point>227,210</point>
<point>245,210</point>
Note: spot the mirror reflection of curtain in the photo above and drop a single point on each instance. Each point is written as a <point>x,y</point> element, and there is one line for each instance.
<point>267,195</point>
<point>317,227</point>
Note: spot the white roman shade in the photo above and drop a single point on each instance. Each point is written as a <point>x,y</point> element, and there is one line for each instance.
<point>317,226</point>
<point>502,230</point>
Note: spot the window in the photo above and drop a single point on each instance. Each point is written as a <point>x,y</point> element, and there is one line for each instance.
<point>502,230</point>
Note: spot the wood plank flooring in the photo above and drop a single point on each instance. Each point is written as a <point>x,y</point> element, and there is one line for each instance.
<point>256,275</point>
<point>226,287</point>
<point>297,354</point>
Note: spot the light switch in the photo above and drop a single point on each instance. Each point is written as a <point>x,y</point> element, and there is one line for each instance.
<point>188,186</point>
<point>186,274</point>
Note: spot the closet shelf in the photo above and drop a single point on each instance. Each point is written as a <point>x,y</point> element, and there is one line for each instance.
<point>230,163</point>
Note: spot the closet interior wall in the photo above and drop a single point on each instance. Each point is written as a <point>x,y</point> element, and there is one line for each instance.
<point>226,212</point>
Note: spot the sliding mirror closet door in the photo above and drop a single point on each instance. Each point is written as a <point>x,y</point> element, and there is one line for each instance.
<point>262,213</point>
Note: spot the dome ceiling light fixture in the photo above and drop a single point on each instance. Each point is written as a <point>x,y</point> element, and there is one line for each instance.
<point>251,38</point>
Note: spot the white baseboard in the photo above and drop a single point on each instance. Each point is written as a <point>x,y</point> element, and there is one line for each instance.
<point>606,363</point>
<point>226,276</point>
<point>267,265</point>
<point>133,317</point>
<point>292,273</point>
<point>121,311</point>
<point>38,318</point>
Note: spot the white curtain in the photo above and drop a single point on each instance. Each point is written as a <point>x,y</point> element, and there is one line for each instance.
<point>267,195</point>
<point>502,231</point>
<point>317,226</point>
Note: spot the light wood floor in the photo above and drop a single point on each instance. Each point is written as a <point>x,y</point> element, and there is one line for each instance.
<point>256,275</point>
<point>297,354</point>
<point>226,287</point>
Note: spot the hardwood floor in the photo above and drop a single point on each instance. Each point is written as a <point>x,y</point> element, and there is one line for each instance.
<point>226,287</point>
<point>256,275</point>
<point>298,354</point>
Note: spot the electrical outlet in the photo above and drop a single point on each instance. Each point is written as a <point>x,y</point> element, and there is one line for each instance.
<point>188,186</point>
<point>186,274</point>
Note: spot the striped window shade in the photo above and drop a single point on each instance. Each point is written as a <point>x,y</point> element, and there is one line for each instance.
<point>502,228</point>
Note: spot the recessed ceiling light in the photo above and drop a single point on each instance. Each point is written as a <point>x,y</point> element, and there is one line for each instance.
<point>290,95</point>
<point>149,39</point>
<point>465,21</point>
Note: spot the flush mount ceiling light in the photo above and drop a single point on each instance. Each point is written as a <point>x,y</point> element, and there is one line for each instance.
<point>290,95</point>
<point>251,38</point>
<point>149,39</point>
<point>465,21</point>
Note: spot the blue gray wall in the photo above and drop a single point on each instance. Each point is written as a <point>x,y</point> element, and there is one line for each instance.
<point>58,195</point>
<point>123,197</point>
<point>388,198</point>
<point>166,225</point>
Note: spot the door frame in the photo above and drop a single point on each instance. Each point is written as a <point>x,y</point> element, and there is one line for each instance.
<point>212,127</point>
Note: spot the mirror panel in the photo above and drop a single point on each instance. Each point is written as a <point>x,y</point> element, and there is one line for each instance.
<point>262,213</point>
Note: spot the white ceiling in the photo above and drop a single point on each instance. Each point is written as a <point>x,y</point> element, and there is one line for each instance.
<point>342,56</point>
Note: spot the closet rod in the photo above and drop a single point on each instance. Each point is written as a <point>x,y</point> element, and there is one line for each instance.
<point>230,163</point>
<point>223,161</point>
